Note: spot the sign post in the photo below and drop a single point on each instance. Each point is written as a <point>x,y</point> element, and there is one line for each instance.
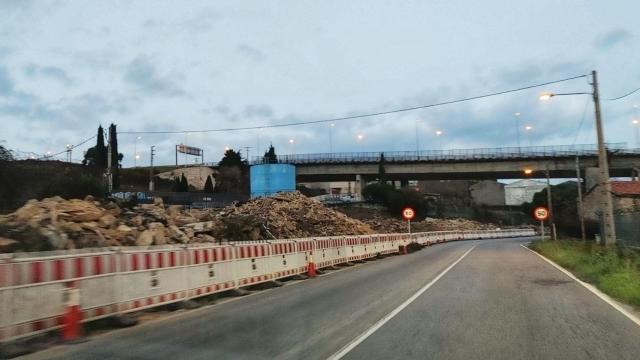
<point>408,214</point>
<point>541,213</point>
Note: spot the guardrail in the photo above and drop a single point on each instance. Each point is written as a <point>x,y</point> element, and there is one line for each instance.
<point>35,288</point>
<point>505,153</point>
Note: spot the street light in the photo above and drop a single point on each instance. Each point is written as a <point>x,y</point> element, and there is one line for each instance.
<point>528,129</point>
<point>636,122</point>
<point>135,151</point>
<point>292,142</point>
<point>549,201</point>
<point>606,205</point>
<point>331,126</point>
<point>438,133</point>
<point>517,115</point>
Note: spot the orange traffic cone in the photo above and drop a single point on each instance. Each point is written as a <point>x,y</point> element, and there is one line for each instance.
<point>72,316</point>
<point>311,268</point>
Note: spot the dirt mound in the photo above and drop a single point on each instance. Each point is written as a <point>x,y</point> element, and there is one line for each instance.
<point>293,215</point>
<point>58,224</point>
<point>383,223</point>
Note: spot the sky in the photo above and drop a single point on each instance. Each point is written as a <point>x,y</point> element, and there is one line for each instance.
<point>67,67</point>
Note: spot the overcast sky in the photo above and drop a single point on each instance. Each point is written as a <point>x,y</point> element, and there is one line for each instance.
<point>68,66</point>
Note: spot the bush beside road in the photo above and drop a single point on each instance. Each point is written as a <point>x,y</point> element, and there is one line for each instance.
<point>615,271</point>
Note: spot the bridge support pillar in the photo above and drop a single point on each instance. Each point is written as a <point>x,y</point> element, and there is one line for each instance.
<point>357,188</point>
<point>592,177</point>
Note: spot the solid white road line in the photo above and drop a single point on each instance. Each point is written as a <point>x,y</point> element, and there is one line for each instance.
<point>591,288</point>
<point>362,337</point>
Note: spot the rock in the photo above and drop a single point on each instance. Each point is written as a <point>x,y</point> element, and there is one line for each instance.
<point>137,220</point>
<point>174,210</point>
<point>178,235</point>
<point>107,220</point>
<point>124,228</point>
<point>157,201</point>
<point>145,238</point>
<point>91,225</point>
<point>89,198</point>
<point>80,211</point>
<point>205,238</point>
<point>8,245</point>
<point>57,240</point>
<point>158,231</point>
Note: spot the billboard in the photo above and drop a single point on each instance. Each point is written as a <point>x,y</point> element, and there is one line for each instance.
<point>189,150</point>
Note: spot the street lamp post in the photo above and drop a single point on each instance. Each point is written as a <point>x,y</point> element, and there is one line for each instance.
<point>331,126</point>
<point>606,203</point>
<point>517,116</point>
<point>135,151</point>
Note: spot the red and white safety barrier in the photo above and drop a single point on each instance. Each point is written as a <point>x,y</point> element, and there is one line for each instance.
<point>41,292</point>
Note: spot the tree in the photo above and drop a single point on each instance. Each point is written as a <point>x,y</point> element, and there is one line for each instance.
<point>5,154</point>
<point>395,200</point>
<point>270,156</point>
<point>116,157</point>
<point>382,177</point>
<point>208,185</point>
<point>184,184</point>
<point>97,155</point>
<point>233,174</point>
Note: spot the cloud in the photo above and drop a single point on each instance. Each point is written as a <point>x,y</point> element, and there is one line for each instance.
<point>143,75</point>
<point>251,52</point>
<point>258,111</point>
<point>6,84</point>
<point>612,38</point>
<point>52,72</point>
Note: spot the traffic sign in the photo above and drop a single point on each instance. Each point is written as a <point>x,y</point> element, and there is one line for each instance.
<point>541,213</point>
<point>408,213</point>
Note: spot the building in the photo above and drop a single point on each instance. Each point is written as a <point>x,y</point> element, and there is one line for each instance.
<point>522,191</point>
<point>626,199</point>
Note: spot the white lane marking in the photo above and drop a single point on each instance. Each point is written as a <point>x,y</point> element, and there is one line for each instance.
<point>362,337</point>
<point>606,298</point>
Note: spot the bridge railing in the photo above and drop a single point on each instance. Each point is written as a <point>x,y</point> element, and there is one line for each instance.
<point>528,152</point>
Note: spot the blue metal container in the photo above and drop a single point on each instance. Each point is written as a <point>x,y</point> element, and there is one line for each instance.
<point>268,179</point>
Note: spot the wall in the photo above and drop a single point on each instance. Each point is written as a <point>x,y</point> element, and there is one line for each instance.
<point>487,193</point>
<point>196,176</point>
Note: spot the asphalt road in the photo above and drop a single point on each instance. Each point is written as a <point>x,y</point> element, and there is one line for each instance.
<point>498,302</point>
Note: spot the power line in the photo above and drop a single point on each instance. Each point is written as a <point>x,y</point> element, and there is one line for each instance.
<point>64,151</point>
<point>623,96</point>
<point>358,116</point>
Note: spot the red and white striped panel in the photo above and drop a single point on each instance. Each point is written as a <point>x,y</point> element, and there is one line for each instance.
<point>30,328</point>
<point>30,272</point>
<point>251,251</point>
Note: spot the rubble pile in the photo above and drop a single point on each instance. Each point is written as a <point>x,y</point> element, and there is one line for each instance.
<point>293,215</point>
<point>383,223</point>
<point>59,224</point>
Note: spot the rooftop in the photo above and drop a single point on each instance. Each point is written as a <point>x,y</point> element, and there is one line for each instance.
<point>625,187</point>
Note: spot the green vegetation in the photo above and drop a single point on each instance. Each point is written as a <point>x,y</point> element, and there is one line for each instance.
<point>395,200</point>
<point>233,174</point>
<point>615,271</point>
<point>270,156</point>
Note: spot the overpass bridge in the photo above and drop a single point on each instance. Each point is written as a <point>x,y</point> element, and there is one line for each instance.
<point>463,164</point>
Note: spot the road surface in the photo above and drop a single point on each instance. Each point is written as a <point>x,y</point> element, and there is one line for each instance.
<point>490,299</point>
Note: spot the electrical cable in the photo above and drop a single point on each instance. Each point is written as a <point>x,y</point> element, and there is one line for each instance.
<point>623,96</point>
<point>64,151</point>
<point>357,116</point>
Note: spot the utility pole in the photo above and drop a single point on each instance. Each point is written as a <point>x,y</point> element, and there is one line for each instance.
<point>109,172</point>
<point>246,148</point>
<point>580,206</point>
<point>606,205</point>
<point>152,152</point>
<point>550,204</point>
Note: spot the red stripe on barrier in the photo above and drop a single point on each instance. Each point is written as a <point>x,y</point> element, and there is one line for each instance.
<point>97,265</point>
<point>147,261</point>
<point>224,254</point>
<point>36,272</point>
<point>58,269</point>
<point>172,259</point>
<point>112,264</point>
<point>99,311</point>
<point>134,261</point>
<point>136,304</point>
<point>160,259</point>
<point>161,298</point>
<point>174,296</point>
<point>196,254</point>
<point>149,301</point>
<point>79,267</point>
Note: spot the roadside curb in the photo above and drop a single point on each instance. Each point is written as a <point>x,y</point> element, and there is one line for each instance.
<point>604,297</point>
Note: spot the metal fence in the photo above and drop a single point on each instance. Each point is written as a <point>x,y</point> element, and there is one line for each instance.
<point>505,153</point>
<point>628,229</point>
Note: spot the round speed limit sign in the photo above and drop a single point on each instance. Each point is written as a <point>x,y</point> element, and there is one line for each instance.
<point>408,213</point>
<point>541,213</point>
